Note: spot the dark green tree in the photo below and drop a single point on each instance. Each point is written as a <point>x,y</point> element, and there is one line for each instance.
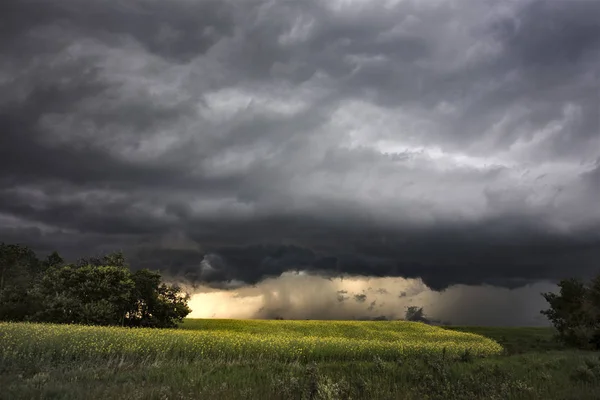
<point>89,294</point>
<point>116,259</point>
<point>53,260</point>
<point>19,269</point>
<point>155,304</point>
<point>575,312</point>
<point>97,291</point>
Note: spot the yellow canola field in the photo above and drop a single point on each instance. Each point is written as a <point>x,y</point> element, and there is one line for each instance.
<point>233,340</point>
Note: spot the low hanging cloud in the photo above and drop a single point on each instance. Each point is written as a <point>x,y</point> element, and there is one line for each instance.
<point>304,296</point>
<point>228,142</point>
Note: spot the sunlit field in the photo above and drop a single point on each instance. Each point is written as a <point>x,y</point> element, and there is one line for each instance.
<point>232,359</point>
<point>233,340</point>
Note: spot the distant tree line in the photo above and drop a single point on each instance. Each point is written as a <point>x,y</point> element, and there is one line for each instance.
<point>94,291</point>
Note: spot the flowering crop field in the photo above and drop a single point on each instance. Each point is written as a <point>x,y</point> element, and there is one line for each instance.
<point>319,360</point>
<point>236,340</point>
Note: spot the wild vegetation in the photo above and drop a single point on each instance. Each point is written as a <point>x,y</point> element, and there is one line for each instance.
<point>94,291</point>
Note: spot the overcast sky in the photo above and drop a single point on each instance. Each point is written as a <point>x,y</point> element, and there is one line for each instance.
<point>230,141</point>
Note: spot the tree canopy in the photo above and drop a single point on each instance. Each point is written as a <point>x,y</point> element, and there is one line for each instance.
<point>575,312</point>
<point>95,291</point>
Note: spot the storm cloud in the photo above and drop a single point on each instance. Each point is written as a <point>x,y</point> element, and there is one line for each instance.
<point>302,296</point>
<point>228,142</point>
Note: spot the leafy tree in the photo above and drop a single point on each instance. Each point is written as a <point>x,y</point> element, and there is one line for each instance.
<point>155,304</point>
<point>116,259</point>
<point>89,294</point>
<point>19,268</point>
<point>575,312</point>
<point>97,290</point>
<point>53,260</point>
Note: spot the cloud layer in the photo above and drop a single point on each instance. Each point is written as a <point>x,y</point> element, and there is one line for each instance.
<point>302,296</point>
<point>452,141</point>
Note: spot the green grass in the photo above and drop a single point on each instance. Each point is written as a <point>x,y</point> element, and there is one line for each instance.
<point>227,359</point>
<point>516,340</point>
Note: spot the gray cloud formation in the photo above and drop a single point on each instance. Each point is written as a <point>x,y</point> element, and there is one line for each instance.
<point>227,141</point>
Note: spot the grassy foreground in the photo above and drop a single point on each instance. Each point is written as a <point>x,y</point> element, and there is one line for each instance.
<point>227,359</point>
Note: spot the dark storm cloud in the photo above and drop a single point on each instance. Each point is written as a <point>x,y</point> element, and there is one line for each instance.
<point>180,32</point>
<point>547,34</point>
<point>227,142</point>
